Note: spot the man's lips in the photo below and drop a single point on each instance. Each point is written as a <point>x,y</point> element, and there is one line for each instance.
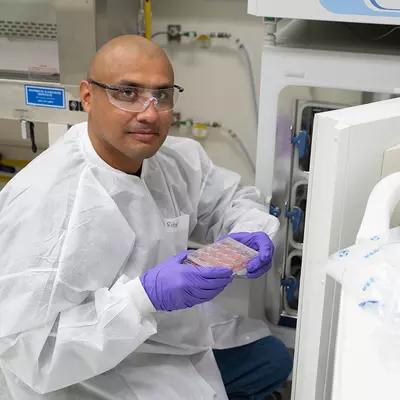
<point>143,136</point>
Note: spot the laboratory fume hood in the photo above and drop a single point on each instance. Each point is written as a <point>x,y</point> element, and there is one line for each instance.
<point>46,49</point>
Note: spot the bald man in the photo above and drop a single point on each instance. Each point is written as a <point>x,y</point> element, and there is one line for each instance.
<point>120,140</point>
<point>96,300</point>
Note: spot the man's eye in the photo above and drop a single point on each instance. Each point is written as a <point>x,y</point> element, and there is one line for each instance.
<point>163,96</point>
<point>129,93</point>
<point>126,94</point>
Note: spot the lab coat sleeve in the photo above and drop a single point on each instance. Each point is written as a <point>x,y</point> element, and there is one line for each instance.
<point>225,206</point>
<point>64,315</point>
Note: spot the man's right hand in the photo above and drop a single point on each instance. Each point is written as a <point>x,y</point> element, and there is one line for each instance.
<point>172,285</point>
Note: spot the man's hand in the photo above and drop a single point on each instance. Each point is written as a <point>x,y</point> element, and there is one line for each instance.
<point>261,242</point>
<point>172,285</point>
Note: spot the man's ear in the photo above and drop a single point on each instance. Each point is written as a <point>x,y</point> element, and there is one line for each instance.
<point>86,95</point>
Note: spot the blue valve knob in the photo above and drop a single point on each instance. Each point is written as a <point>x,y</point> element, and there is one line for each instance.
<point>301,141</point>
<point>291,285</point>
<point>275,210</point>
<point>295,216</point>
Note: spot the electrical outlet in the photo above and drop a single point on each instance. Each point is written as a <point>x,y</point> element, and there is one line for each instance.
<point>174,33</point>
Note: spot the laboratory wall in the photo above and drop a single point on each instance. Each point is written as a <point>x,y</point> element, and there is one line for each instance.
<point>215,74</point>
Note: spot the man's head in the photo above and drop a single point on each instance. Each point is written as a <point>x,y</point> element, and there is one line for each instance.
<point>124,131</point>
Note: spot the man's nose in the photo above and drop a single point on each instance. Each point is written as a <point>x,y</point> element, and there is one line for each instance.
<point>150,113</point>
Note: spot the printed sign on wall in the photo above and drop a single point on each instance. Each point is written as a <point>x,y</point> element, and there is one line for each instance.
<point>44,96</point>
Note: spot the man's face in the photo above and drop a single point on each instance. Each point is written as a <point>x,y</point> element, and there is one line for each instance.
<point>126,136</point>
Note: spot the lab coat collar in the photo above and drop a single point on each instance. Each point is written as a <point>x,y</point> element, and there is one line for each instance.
<point>95,159</point>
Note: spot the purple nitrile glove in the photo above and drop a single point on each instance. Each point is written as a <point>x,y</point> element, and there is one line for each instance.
<point>261,242</point>
<point>172,285</point>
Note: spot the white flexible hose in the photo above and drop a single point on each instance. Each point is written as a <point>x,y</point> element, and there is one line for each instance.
<point>243,49</point>
<point>239,141</point>
<point>381,203</point>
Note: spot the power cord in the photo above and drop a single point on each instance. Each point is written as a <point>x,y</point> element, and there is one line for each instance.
<point>159,33</point>
<point>388,33</point>
<point>356,31</point>
<point>201,133</point>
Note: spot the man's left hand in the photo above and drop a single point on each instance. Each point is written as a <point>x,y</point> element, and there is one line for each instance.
<point>261,242</point>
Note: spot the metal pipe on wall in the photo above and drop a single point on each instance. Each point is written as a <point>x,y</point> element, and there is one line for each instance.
<point>147,19</point>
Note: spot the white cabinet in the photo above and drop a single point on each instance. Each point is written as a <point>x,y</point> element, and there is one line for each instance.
<point>322,65</point>
<point>346,162</point>
<point>368,11</point>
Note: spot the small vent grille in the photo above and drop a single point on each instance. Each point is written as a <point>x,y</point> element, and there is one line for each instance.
<point>28,30</point>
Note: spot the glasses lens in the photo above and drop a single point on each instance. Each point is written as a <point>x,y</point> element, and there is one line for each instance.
<point>135,99</point>
<point>165,98</point>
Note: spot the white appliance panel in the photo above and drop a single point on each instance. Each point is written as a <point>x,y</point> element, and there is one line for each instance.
<point>346,162</point>
<point>367,11</point>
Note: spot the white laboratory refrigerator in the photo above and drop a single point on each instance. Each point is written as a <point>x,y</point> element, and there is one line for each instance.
<point>352,149</point>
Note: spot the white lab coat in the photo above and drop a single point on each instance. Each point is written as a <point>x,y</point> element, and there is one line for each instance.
<point>75,235</point>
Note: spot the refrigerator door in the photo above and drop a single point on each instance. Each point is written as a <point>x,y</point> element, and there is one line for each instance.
<point>346,162</point>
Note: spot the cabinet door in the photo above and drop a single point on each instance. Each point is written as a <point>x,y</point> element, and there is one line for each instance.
<point>346,162</point>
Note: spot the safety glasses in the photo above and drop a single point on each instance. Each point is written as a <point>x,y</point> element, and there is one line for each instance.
<point>137,99</point>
